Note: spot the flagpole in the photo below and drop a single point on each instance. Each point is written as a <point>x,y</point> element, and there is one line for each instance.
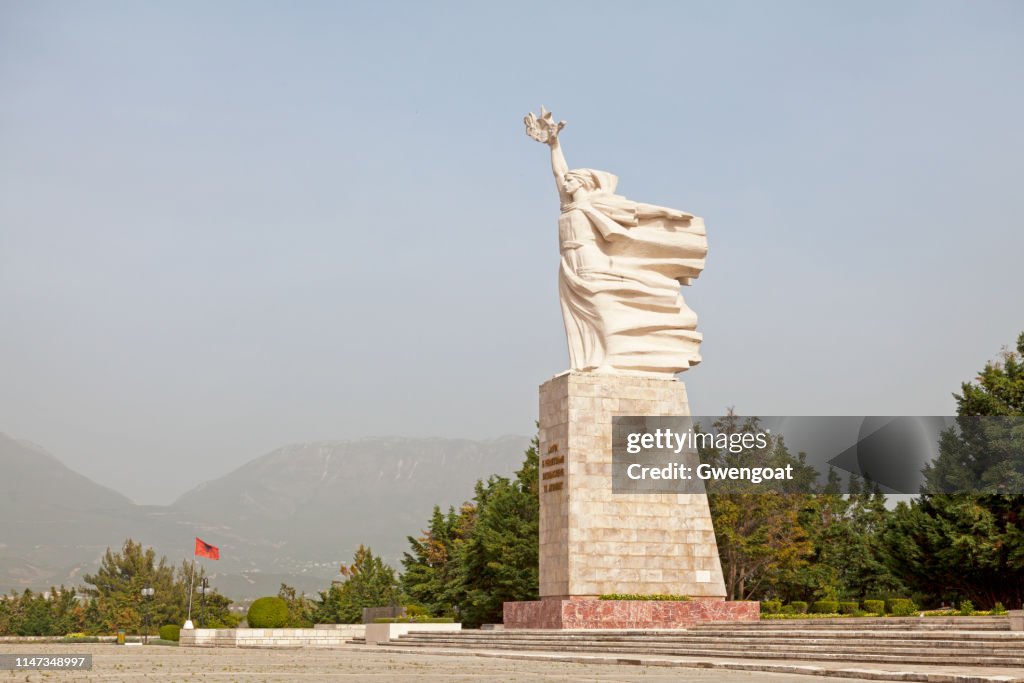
<point>191,582</point>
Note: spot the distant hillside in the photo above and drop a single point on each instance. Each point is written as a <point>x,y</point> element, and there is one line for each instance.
<point>51,518</point>
<point>318,501</point>
<point>291,515</point>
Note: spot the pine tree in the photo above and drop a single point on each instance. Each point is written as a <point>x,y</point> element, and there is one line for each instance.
<point>369,582</point>
<point>952,546</point>
<point>500,561</point>
<point>117,588</point>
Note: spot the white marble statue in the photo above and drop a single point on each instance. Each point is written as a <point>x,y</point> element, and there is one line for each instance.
<point>622,265</point>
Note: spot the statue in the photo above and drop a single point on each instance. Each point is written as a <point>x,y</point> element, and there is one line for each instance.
<point>622,265</point>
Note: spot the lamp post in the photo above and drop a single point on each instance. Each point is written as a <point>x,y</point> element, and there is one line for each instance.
<point>147,595</point>
<point>204,588</point>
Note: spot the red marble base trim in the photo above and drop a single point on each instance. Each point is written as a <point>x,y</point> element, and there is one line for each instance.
<point>640,614</point>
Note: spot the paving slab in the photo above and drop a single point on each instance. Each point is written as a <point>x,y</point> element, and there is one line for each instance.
<point>823,670</point>
<point>164,664</point>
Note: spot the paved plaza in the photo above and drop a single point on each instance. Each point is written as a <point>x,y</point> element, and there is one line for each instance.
<point>162,663</point>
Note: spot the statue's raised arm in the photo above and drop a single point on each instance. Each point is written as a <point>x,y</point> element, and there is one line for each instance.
<point>545,129</point>
<point>622,265</point>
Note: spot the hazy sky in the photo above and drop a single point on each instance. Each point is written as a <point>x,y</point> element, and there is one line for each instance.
<point>225,227</point>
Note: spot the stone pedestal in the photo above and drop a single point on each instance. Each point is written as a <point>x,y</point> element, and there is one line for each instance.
<point>594,542</point>
<point>624,614</point>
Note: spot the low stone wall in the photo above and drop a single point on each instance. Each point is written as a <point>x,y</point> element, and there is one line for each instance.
<point>618,614</point>
<point>354,630</point>
<point>335,635</point>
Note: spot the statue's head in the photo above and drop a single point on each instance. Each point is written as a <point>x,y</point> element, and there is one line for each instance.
<point>586,181</point>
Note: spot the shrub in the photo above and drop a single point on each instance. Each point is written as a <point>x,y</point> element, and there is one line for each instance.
<point>901,607</point>
<point>271,612</point>
<point>413,620</point>
<point>416,611</point>
<point>966,608</point>
<point>799,607</point>
<point>170,632</point>
<point>787,609</point>
<point>802,617</point>
<point>226,620</point>
<point>874,606</point>
<point>639,596</point>
<point>771,607</point>
<point>825,607</point>
<point>849,608</point>
<point>998,609</point>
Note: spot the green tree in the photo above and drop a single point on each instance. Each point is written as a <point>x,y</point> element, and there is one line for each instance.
<point>301,611</point>
<point>431,575</point>
<point>761,542</point>
<point>54,613</point>
<point>369,582</point>
<point>118,584</point>
<point>970,546</point>
<point>843,530</point>
<point>500,560</point>
<point>116,593</point>
<point>468,562</point>
<point>999,389</point>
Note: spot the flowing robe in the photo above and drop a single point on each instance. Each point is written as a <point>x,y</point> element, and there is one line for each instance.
<point>622,265</point>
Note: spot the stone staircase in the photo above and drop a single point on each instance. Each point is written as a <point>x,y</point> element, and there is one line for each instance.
<point>932,641</point>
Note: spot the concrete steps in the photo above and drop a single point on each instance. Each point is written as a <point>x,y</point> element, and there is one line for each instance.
<point>875,624</point>
<point>791,641</point>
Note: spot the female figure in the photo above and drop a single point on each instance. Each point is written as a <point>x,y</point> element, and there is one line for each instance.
<point>621,268</point>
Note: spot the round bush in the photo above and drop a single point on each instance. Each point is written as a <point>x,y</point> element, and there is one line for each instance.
<point>771,606</point>
<point>874,606</point>
<point>268,613</point>
<point>901,607</point>
<point>799,606</point>
<point>825,607</point>
<point>848,608</point>
<point>170,632</point>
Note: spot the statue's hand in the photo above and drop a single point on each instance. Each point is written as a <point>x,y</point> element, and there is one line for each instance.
<point>553,133</point>
<point>543,129</point>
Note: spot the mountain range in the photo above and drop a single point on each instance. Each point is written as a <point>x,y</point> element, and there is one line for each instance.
<point>292,515</point>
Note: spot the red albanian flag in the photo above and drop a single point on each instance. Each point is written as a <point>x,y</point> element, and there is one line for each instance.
<point>204,549</point>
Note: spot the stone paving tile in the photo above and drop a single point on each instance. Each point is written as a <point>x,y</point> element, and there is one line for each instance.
<point>795,670</point>
<point>351,664</point>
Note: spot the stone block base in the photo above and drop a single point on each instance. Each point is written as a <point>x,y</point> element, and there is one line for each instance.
<point>554,613</point>
<point>336,636</point>
<point>382,633</point>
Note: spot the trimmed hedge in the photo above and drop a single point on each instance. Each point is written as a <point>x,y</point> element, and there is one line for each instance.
<point>170,632</point>
<point>638,596</point>
<point>799,606</point>
<point>901,607</point>
<point>825,607</point>
<point>414,620</point>
<point>848,608</point>
<point>270,612</point>
<point>771,607</point>
<point>874,606</point>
